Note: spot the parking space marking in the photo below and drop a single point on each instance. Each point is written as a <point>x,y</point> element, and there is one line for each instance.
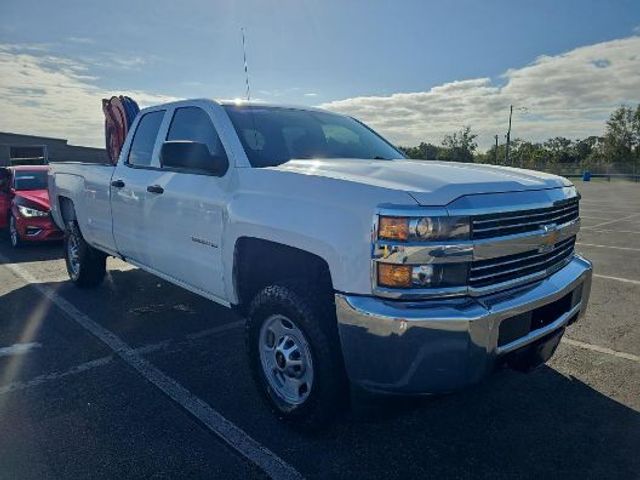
<point>617,279</point>
<point>215,330</point>
<point>612,221</point>
<point>49,377</point>
<point>18,349</point>
<point>599,349</point>
<point>596,245</point>
<point>611,231</point>
<point>99,362</point>
<point>227,431</point>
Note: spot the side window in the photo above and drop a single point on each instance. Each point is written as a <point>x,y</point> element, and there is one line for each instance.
<point>144,139</point>
<point>193,123</point>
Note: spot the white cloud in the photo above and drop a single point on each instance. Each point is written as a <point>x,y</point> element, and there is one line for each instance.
<point>570,94</point>
<point>42,94</point>
<point>311,94</point>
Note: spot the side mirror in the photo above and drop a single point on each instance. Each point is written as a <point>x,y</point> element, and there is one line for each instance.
<point>192,157</point>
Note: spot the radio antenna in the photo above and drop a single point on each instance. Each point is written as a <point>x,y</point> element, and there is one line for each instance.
<point>246,65</point>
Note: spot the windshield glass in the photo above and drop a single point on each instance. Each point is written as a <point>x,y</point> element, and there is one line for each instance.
<point>274,135</point>
<point>30,180</point>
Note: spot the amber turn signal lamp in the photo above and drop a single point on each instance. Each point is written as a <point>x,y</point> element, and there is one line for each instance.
<point>393,228</point>
<point>394,276</point>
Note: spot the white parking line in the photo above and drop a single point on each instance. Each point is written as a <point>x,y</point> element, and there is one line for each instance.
<point>596,245</point>
<point>611,231</point>
<point>617,279</point>
<point>596,348</point>
<point>230,433</point>
<point>49,377</point>
<point>612,221</point>
<point>18,349</point>
<point>99,362</point>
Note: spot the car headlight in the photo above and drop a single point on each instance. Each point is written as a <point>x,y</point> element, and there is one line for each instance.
<point>31,212</point>
<point>423,228</point>
<point>441,275</point>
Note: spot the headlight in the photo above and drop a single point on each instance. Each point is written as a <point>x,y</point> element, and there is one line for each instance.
<point>31,212</point>
<point>440,275</point>
<point>423,228</point>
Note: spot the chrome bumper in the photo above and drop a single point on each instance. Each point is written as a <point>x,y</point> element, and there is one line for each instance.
<point>435,345</point>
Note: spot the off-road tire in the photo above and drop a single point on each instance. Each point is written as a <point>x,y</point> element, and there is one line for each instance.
<point>92,263</point>
<point>314,314</point>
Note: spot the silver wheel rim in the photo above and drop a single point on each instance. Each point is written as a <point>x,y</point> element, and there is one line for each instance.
<point>13,231</point>
<point>286,359</point>
<point>73,255</point>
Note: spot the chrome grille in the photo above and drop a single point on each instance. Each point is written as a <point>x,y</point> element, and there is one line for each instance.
<point>503,269</point>
<point>502,224</point>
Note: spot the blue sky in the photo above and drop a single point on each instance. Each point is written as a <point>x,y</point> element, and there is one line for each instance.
<point>300,51</point>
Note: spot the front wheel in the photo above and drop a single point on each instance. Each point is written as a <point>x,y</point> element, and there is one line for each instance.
<point>86,265</point>
<point>14,235</point>
<point>295,355</point>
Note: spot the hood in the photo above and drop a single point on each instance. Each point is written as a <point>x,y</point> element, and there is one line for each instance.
<point>39,198</point>
<point>428,182</point>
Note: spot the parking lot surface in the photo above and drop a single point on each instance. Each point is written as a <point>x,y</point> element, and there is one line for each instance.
<point>141,379</point>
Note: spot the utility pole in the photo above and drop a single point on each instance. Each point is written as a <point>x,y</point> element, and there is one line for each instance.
<point>495,152</point>
<point>506,155</point>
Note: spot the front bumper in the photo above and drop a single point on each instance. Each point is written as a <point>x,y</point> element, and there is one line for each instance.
<point>434,346</point>
<point>38,229</point>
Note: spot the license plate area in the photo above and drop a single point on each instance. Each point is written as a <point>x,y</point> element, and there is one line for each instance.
<point>518,326</point>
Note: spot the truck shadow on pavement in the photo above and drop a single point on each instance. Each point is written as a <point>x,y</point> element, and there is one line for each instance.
<point>30,252</point>
<point>543,424</point>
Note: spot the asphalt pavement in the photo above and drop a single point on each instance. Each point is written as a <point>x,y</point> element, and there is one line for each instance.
<point>141,379</point>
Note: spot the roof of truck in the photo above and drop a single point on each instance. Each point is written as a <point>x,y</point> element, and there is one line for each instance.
<point>234,103</point>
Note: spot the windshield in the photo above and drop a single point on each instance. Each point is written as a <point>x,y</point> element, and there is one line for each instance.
<point>30,180</point>
<point>274,135</point>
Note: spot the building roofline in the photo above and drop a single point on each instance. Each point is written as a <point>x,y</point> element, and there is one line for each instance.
<point>34,136</point>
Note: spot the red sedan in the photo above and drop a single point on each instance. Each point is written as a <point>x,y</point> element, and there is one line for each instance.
<point>24,205</point>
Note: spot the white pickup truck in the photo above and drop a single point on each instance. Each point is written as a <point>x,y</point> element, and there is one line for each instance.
<point>352,264</point>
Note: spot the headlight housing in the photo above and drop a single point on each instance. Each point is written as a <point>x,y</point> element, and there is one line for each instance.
<point>410,252</point>
<point>436,275</point>
<point>29,212</point>
<point>425,229</point>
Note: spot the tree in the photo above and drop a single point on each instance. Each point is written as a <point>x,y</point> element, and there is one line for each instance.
<point>622,135</point>
<point>424,151</point>
<point>459,146</point>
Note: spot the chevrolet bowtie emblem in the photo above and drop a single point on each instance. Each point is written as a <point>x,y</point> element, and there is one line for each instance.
<point>549,238</point>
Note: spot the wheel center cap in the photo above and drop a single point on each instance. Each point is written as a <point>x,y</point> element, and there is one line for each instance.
<point>280,360</point>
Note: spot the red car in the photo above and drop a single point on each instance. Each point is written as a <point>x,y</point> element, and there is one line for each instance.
<point>24,205</point>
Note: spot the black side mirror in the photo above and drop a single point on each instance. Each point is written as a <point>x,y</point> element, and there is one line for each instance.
<point>192,157</point>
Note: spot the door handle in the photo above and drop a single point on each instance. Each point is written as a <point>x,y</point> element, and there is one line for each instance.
<point>155,189</point>
<point>117,183</point>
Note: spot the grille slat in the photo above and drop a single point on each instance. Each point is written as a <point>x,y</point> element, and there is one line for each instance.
<point>502,224</point>
<point>500,262</point>
<point>520,214</point>
<point>504,269</point>
<point>563,218</point>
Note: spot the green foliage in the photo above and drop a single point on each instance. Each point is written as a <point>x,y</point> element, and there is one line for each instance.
<point>620,145</point>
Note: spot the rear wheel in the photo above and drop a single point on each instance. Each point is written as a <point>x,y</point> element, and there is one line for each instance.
<point>295,355</point>
<point>14,235</point>
<point>86,265</point>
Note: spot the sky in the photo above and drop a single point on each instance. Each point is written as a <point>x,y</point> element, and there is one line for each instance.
<point>413,70</point>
